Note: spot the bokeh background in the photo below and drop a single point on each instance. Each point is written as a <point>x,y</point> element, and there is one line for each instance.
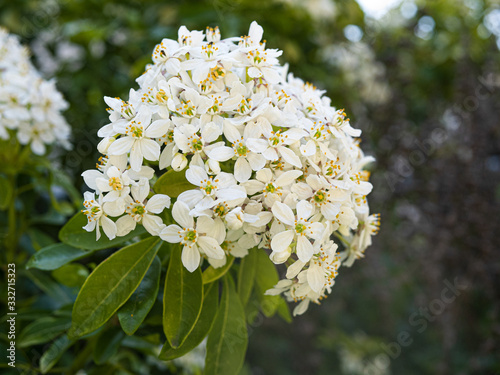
<point>421,79</point>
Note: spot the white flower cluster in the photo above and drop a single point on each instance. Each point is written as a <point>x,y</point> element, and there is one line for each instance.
<point>30,107</point>
<point>272,163</point>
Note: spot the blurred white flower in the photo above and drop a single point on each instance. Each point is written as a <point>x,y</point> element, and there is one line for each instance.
<point>30,107</point>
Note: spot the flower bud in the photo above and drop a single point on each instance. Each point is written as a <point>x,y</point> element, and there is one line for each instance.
<point>179,162</point>
<point>281,257</point>
<point>103,146</point>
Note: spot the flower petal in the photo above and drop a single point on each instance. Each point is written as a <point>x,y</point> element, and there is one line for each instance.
<point>196,175</point>
<point>281,241</point>
<point>171,234</point>
<point>210,247</point>
<point>121,146</point>
<point>180,212</point>
<point>153,224</point>
<point>242,170</point>
<point>157,203</point>
<point>304,249</point>
<point>150,149</point>
<point>157,128</point>
<point>190,257</point>
<point>316,278</point>
<point>283,213</point>
<point>125,225</point>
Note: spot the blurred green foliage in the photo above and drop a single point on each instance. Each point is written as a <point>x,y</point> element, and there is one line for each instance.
<point>423,84</point>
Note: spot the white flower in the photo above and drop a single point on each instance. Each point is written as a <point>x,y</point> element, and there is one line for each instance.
<point>275,144</point>
<point>96,217</point>
<point>30,107</point>
<point>272,163</point>
<point>302,229</point>
<point>223,186</point>
<point>246,161</point>
<point>272,187</point>
<point>195,238</point>
<point>144,213</point>
<point>137,139</point>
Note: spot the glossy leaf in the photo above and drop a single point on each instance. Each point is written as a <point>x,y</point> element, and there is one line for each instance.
<point>212,274</point>
<point>54,256</point>
<point>246,275</point>
<point>173,183</point>
<point>201,328</point>
<point>134,311</point>
<point>182,299</point>
<point>54,353</point>
<point>73,234</point>
<point>107,344</point>
<point>228,339</point>
<point>42,330</point>
<point>111,285</point>
<point>58,292</point>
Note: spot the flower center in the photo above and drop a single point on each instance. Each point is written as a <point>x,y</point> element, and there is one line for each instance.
<point>93,211</point>
<point>242,150</point>
<point>244,106</point>
<point>299,228</point>
<point>217,72</point>
<point>319,197</point>
<point>276,139</point>
<point>270,188</point>
<point>135,130</point>
<point>209,50</point>
<point>208,188</point>
<point>138,210</point>
<point>197,144</point>
<point>161,96</point>
<point>188,109</point>
<point>220,210</point>
<point>190,235</point>
<point>115,183</point>
<point>127,109</point>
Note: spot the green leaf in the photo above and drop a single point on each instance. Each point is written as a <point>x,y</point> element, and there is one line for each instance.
<point>172,183</point>
<point>211,274</point>
<point>42,330</point>
<point>266,277</point>
<point>5,193</point>
<point>107,345</point>
<point>71,275</point>
<point>40,239</point>
<point>201,328</point>
<point>56,291</point>
<point>54,353</point>
<point>111,285</point>
<point>54,256</point>
<point>73,234</point>
<point>228,339</point>
<point>134,311</point>
<point>246,275</point>
<point>252,308</point>
<point>182,299</point>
